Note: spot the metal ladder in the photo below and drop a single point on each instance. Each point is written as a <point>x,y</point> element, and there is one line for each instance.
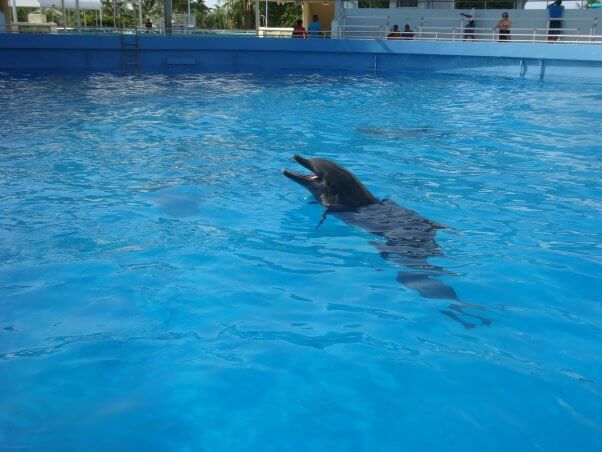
<point>129,52</point>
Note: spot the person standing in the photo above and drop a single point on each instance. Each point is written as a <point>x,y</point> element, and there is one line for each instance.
<point>504,27</point>
<point>148,25</point>
<point>314,28</point>
<point>469,27</point>
<point>299,31</point>
<point>555,11</point>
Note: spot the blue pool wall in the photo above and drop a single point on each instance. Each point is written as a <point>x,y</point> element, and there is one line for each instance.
<point>249,54</point>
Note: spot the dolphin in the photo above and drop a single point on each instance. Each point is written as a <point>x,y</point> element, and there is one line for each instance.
<point>421,132</point>
<point>406,237</point>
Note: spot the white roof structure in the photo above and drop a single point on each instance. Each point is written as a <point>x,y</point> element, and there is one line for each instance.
<point>69,4</point>
<point>541,4</point>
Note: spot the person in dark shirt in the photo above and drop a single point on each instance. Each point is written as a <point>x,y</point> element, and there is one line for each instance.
<point>469,28</point>
<point>299,31</point>
<point>555,11</point>
<point>395,34</point>
<point>148,25</point>
<point>407,33</point>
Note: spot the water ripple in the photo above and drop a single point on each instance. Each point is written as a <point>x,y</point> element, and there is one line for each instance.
<point>154,259</point>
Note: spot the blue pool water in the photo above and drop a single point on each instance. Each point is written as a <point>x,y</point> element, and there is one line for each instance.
<point>163,286</point>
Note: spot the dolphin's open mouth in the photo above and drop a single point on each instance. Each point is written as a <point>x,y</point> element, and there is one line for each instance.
<point>302,178</point>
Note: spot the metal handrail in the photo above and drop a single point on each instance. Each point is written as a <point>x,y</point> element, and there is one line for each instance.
<point>573,19</point>
<point>386,19</point>
<point>511,29</point>
<point>376,27</point>
<point>368,32</point>
<point>493,35</point>
<point>441,18</point>
<point>365,17</point>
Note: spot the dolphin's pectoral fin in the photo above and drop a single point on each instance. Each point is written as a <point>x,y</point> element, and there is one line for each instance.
<point>425,286</point>
<point>459,308</point>
<point>453,316</point>
<point>467,325</point>
<point>427,268</point>
<point>437,226</point>
<point>322,218</point>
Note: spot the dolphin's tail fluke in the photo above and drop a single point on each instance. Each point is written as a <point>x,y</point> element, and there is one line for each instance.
<point>426,286</point>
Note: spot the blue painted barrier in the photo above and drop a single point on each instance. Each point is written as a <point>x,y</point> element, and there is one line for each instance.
<point>250,54</point>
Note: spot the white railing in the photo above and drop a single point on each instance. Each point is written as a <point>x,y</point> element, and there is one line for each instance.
<point>489,34</point>
<point>139,30</point>
<point>383,22</point>
<point>362,31</point>
<point>275,32</point>
<point>462,21</point>
<point>367,32</point>
<point>533,35</point>
<point>592,29</point>
<point>404,3</point>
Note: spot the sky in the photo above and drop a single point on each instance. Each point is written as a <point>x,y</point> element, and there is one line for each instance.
<point>211,3</point>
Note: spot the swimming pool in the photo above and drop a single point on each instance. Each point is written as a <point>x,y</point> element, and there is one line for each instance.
<point>162,285</point>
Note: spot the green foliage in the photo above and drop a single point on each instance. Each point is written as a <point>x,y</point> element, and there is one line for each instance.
<point>241,13</point>
<point>500,4</point>
<point>284,15</point>
<point>88,18</point>
<point>125,13</point>
<point>216,18</point>
<point>373,3</point>
<point>237,14</point>
<point>23,12</point>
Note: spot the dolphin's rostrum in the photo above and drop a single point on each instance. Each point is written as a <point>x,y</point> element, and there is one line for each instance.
<point>408,238</point>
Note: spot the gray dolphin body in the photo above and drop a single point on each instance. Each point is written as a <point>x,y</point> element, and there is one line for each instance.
<point>421,132</point>
<point>408,238</point>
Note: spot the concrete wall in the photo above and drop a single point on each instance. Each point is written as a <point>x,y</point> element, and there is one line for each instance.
<point>581,19</point>
<point>572,63</point>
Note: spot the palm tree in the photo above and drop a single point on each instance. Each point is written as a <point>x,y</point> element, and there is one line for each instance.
<point>241,13</point>
<point>214,18</point>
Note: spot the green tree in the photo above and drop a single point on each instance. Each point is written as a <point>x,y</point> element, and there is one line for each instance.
<point>467,4</point>
<point>215,18</point>
<point>241,13</point>
<point>181,6</point>
<point>374,4</point>
<point>284,15</point>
